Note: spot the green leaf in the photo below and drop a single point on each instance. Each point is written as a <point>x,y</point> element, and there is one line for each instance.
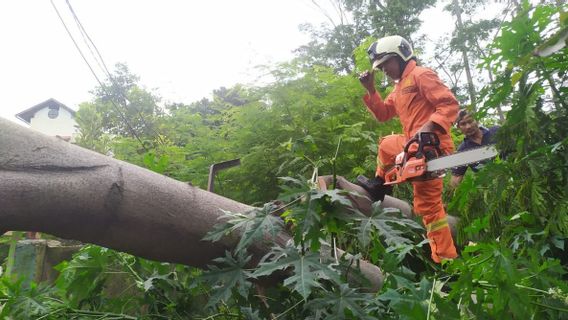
<point>307,269</point>
<point>258,224</point>
<point>515,78</point>
<point>335,195</point>
<point>156,163</point>
<point>249,314</point>
<point>389,225</point>
<point>148,284</point>
<point>22,301</point>
<point>84,277</point>
<point>231,276</point>
<point>340,301</point>
<point>414,302</point>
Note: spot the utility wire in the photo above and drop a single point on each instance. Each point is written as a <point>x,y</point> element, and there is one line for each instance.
<point>96,77</point>
<point>87,39</point>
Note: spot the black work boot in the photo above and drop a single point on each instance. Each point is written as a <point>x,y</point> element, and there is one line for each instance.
<point>375,187</point>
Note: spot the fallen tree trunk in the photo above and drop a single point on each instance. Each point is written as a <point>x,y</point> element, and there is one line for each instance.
<point>364,203</point>
<point>51,186</point>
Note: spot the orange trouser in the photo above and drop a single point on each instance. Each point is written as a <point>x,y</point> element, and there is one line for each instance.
<point>427,200</point>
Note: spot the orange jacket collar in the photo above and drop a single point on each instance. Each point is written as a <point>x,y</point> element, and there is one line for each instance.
<point>409,67</point>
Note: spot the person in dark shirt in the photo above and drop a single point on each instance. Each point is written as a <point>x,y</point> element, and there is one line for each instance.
<point>475,137</point>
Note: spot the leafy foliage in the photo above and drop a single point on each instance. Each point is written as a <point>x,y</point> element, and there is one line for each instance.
<point>532,179</point>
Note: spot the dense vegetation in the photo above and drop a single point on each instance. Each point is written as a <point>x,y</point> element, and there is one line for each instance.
<point>514,213</point>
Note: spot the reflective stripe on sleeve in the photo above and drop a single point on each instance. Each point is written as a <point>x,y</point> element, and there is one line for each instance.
<point>437,225</point>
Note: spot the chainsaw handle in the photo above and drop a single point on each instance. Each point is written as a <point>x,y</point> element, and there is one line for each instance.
<point>429,139</point>
<point>423,139</point>
<point>409,143</point>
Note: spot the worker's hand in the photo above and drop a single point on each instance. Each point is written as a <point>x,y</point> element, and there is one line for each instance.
<point>367,79</point>
<point>429,126</point>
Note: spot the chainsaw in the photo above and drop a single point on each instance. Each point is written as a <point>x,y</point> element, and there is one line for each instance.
<point>428,162</point>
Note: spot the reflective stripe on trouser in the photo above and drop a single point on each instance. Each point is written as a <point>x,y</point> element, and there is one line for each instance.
<point>428,205</point>
<point>427,200</point>
<point>389,147</point>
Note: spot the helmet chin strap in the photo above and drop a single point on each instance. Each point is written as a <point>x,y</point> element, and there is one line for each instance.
<point>402,65</point>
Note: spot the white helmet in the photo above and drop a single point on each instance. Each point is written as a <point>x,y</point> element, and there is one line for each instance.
<point>384,48</point>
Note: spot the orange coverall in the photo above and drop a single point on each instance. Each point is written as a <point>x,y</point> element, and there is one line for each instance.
<point>419,96</point>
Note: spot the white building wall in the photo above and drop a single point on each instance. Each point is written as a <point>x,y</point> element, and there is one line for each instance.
<point>63,125</point>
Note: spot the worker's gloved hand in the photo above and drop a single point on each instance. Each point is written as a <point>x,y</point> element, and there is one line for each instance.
<point>375,187</point>
<point>429,126</point>
<point>367,79</point>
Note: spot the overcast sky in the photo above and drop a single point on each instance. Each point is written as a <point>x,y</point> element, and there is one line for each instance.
<point>184,49</point>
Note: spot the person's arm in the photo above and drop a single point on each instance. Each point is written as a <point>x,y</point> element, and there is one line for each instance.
<point>382,110</point>
<point>455,181</point>
<point>457,173</point>
<point>430,126</point>
<point>439,95</point>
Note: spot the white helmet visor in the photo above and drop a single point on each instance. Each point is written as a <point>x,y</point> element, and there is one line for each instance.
<point>382,58</point>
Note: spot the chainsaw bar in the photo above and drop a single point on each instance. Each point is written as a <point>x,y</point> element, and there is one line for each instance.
<point>462,158</point>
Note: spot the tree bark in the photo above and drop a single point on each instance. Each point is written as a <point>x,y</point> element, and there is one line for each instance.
<point>51,186</point>
<point>364,204</point>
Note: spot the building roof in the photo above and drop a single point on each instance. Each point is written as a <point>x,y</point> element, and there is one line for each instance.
<point>28,114</point>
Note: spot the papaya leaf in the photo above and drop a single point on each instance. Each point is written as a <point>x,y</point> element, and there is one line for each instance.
<point>249,314</point>
<point>335,195</point>
<point>307,269</point>
<point>232,275</point>
<point>258,224</point>
<point>388,225</point>
<point>20,301</point>
<point>150,283</point>
<point>341,300</point>
<point>292,188</point>
<point>84,276</point>
<point>411,304</point>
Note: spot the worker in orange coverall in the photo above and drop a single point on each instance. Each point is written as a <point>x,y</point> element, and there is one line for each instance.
<point>423,104</point>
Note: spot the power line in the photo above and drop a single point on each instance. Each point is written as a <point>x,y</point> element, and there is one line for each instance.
<point>87,39</point>
<point>99,63</point>
<point>96,77</point>
<point>84,34</point>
